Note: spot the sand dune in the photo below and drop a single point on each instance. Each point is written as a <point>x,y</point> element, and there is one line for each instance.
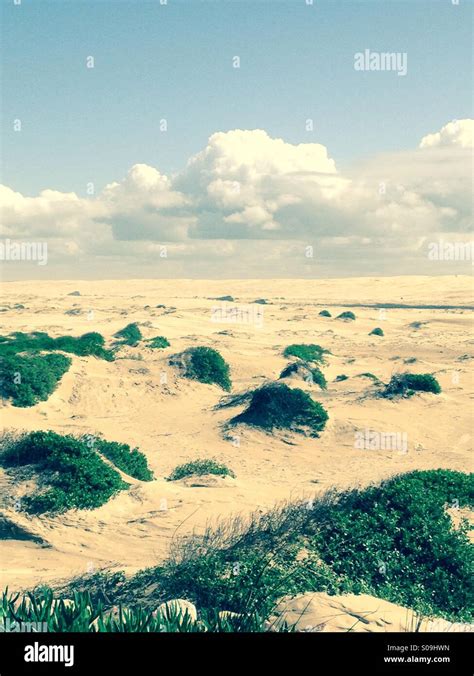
<point>140,399</point>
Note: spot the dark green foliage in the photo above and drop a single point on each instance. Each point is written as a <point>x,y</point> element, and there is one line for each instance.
<point>406,384</point>
<point>278,406</point>
<point>394,541</point>
<point>129,335</point>
<point>402,524</point>
<point>77,477</point>
<point>376,332</point>
<point>158,342</point>
<point>307,353</point>
<point>28,379</point>
<point>325,313</point>
<point>260,301</point>
<point>132,462</point>
<point>369,375</point>
<point>311,374</point>
<point>348,315</point>
<point>229,299</point>
<point>89,344</point>
<point>340,378</point>
<point>200,467</point>
<point>207,366</point>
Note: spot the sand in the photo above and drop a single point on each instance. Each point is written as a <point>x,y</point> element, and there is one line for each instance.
<point>141,400</point>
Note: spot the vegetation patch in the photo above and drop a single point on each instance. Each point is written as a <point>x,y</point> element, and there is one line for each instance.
<point>340,378</point>
<point>158,342</point>
<point>129,335</point>
<point>198,468</point>
<point>376,332</point>
<point>89,344</point>
<point>28,379</point>
<point>311,374</point>
<point>325,313</point>
<point>205,365</point>
<point>72,474</point>
<point>394,541</point>
<point>346,316</point>
<point>277,406</point>
<point>307,353</point>
<point>229,299</point>
<point>131,461</point>
<point>406,384</point>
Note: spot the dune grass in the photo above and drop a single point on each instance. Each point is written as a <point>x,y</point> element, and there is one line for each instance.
<point>347,316</point>
<point>158,342</point>
<point>406,384</point>
<point>89,344</point>
<point>307,353</point>
<point>131,461</point>
<point>31,378</point>
<point>277,406</point>
<point>130,335</point>
<point>310,374</point>
<point>205,365</point>
<point>200,467</point>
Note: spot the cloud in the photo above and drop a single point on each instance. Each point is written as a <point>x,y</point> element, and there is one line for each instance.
<point>459,133</point>
<point>248,200</point>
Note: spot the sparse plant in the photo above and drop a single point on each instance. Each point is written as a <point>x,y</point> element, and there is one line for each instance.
<point>129,335</point>
<point>205,365</point>
<point>376,332</point>
<point>346,316</point>
<point>325,313</point>
<point>199,468</point>
<point>158,342</point>
<point>307,353</point>
<point>406,384</point>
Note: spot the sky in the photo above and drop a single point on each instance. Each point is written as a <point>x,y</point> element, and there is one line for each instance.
<point>133,146</point>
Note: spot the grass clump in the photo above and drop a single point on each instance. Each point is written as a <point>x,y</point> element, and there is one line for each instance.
<point>89,344</point>
<point>158,342</point>
<point>28,379</point>
<point>73,473</point>
<point>394,541</point>
<point>129,335</point>
<point>340,378</point>
<point>277,406</point>
<point>406,384</point>
<point>307,353</point>
<point>376,332</point>
<point>131,461</point>
<point>311,374</point>
<point>207,366</point>
<point>198,468</point>
<point>325,313</point>
<point>347,316</point>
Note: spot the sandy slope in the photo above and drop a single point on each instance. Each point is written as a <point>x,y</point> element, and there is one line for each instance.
<point>174,421</point>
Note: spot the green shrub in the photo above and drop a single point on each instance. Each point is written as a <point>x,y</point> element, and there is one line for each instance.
<point>348,315</point>
<point>340,378</point>
<point>376,332</point>
<point>406,384</point>
<point>307,353</point>
<point>311,374</point>
<point>132,462</point>
<point>158,342</point>
<point>198,468</point>
<point>229,299</point>
<point>399,543</point>
<point>76,475</point>
<point>28,379</point>
<point>89,344</point>
<point>325,313</point>
<point>129,335</point>
<point>207,366</point>
<point>277,406</point>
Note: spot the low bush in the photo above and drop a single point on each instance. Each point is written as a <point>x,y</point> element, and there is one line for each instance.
<point>310,374</point>
<point>347,316</point>
<point>198,468</point>
<point>406,384</point>
<point>376,332</point>
<point>307,353</point>
<point>158,342</point>
<point>205,365</point>
<point>89,344</point>
<point>277,406</point>
<point>325,313</point>
<point>28,379</point>
<point>131,461</point>
<point>129,335</point>
<point>75,475</point>
<point>340,378</point>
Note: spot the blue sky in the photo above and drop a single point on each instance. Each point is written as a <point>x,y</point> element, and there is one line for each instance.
<point>175,62</point>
